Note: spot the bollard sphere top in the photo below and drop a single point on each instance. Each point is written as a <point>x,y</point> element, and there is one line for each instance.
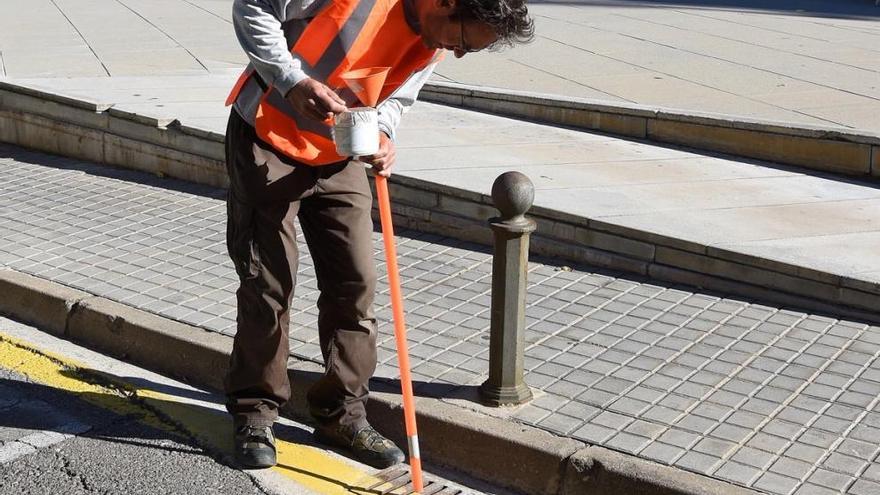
<point>513,194</point>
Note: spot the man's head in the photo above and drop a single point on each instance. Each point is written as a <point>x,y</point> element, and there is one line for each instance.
<point>465,26</point>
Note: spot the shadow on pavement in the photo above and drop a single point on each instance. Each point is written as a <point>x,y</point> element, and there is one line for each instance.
<point>44,408</point>
<point>45,159</point>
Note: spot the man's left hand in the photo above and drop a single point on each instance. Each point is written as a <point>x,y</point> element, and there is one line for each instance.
<point>383,160</point>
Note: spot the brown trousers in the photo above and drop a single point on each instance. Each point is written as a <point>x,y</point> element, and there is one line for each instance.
<point>266,191</point>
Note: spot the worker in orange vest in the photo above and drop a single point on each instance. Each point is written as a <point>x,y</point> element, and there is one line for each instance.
<point>282,164</point>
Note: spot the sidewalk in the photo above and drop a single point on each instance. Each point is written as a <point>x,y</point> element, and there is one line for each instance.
<point>781,401</point>
<point>698,218</point>
<point>777,400</point>
<point>813,62</point>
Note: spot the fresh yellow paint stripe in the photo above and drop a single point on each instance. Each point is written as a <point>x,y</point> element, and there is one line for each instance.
<point>306,465</point>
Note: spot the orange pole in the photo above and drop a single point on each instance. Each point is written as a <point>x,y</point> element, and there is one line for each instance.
<point>409,407</point>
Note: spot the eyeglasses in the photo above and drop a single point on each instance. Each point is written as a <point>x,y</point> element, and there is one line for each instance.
<point>462,44</point>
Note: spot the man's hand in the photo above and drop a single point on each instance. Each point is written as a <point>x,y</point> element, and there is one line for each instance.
<point>383,160</point>
<point>315,100</point>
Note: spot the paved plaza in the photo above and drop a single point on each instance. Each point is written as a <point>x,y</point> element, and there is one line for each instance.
<point>779,400</point>
<point>804,62</point>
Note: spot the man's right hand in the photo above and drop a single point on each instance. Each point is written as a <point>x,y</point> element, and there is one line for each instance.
<point>315,100</point>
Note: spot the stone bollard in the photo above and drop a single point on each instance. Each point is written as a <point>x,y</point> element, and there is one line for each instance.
<point>512,194</point>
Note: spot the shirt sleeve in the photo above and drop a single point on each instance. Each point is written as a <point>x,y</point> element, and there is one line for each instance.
<point>258,28</point>
<point>392,109</point>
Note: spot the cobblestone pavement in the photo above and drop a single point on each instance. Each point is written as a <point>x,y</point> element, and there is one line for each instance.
<point>778,400</point>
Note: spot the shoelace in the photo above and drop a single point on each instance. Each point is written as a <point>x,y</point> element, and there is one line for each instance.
<point>371,438</point>
<point>257,434</point>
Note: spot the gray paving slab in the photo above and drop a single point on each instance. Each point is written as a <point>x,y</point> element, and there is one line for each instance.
<point>721,226</point>
<point>771,398</point>
<point>834,259</point>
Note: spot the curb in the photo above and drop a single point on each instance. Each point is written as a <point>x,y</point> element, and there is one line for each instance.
<point>97,132</point>
<point>828,149</point>
<point>535,462</point>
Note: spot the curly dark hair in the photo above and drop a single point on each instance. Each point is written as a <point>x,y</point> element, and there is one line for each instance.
<point>509,18</point>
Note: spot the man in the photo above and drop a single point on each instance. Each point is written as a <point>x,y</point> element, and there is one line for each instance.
<point>282,164</point>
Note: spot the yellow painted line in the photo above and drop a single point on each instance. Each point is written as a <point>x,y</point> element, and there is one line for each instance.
<point>308,466</point>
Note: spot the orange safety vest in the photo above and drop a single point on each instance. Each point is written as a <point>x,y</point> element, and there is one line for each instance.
<point>346,35</point>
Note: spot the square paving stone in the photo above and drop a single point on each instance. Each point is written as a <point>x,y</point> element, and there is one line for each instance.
<point>844,464</point>
<point>531,415</point>
<point>696,424</point>
<point>593,433</point>
<point>873,471</point>
<point>662,415</point>
<point>775,483</point>
<point>660,452</point>
<point>864,487</point>
<point>754,457</point>
<point>791,467</point>
<point>679,438</point>
<point>859,449</point>
<point>714,447</point>
<point>737,473</point>
<point>612,420</point>
<point>729,399</point>
<point>830,479</point>
<point>806,453</point>
<point>560,423</point>
<point>644,429</point>
<point>731,432</point>
<point>745,419</point>
<point>565,388</point>
<point>698,462</point>
<point>832,425</point>
<point>627,442</point>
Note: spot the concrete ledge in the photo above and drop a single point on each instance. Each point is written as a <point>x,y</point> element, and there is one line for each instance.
<point>45,97</point>
<point>753,275</point>
<point>534,461</point>
<point>811,152</point>
<point>695,279</point>
<point>599,470</point>
<point>52,135</point>
<point>37,301</point>
<point>97,132</point>
<point>820,148</point>
<point>183,351</point>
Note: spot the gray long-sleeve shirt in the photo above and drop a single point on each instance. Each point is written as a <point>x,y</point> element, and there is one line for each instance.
<point>258,26</point>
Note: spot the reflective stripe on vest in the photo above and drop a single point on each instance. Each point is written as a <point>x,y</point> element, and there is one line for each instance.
<point>345,35</point>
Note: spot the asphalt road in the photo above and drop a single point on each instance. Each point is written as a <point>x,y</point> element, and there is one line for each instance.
<point>76,422</point>
<point>55,442</point>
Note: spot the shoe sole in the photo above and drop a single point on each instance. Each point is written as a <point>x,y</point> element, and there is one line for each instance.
<point>346,449</point>
<point>255,463</point>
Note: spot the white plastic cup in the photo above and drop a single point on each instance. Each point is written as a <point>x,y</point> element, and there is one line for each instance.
<point>356,132</point>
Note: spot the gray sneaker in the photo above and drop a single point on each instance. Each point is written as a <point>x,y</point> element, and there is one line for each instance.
<point>367,446</point>
<point>254,447</point>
